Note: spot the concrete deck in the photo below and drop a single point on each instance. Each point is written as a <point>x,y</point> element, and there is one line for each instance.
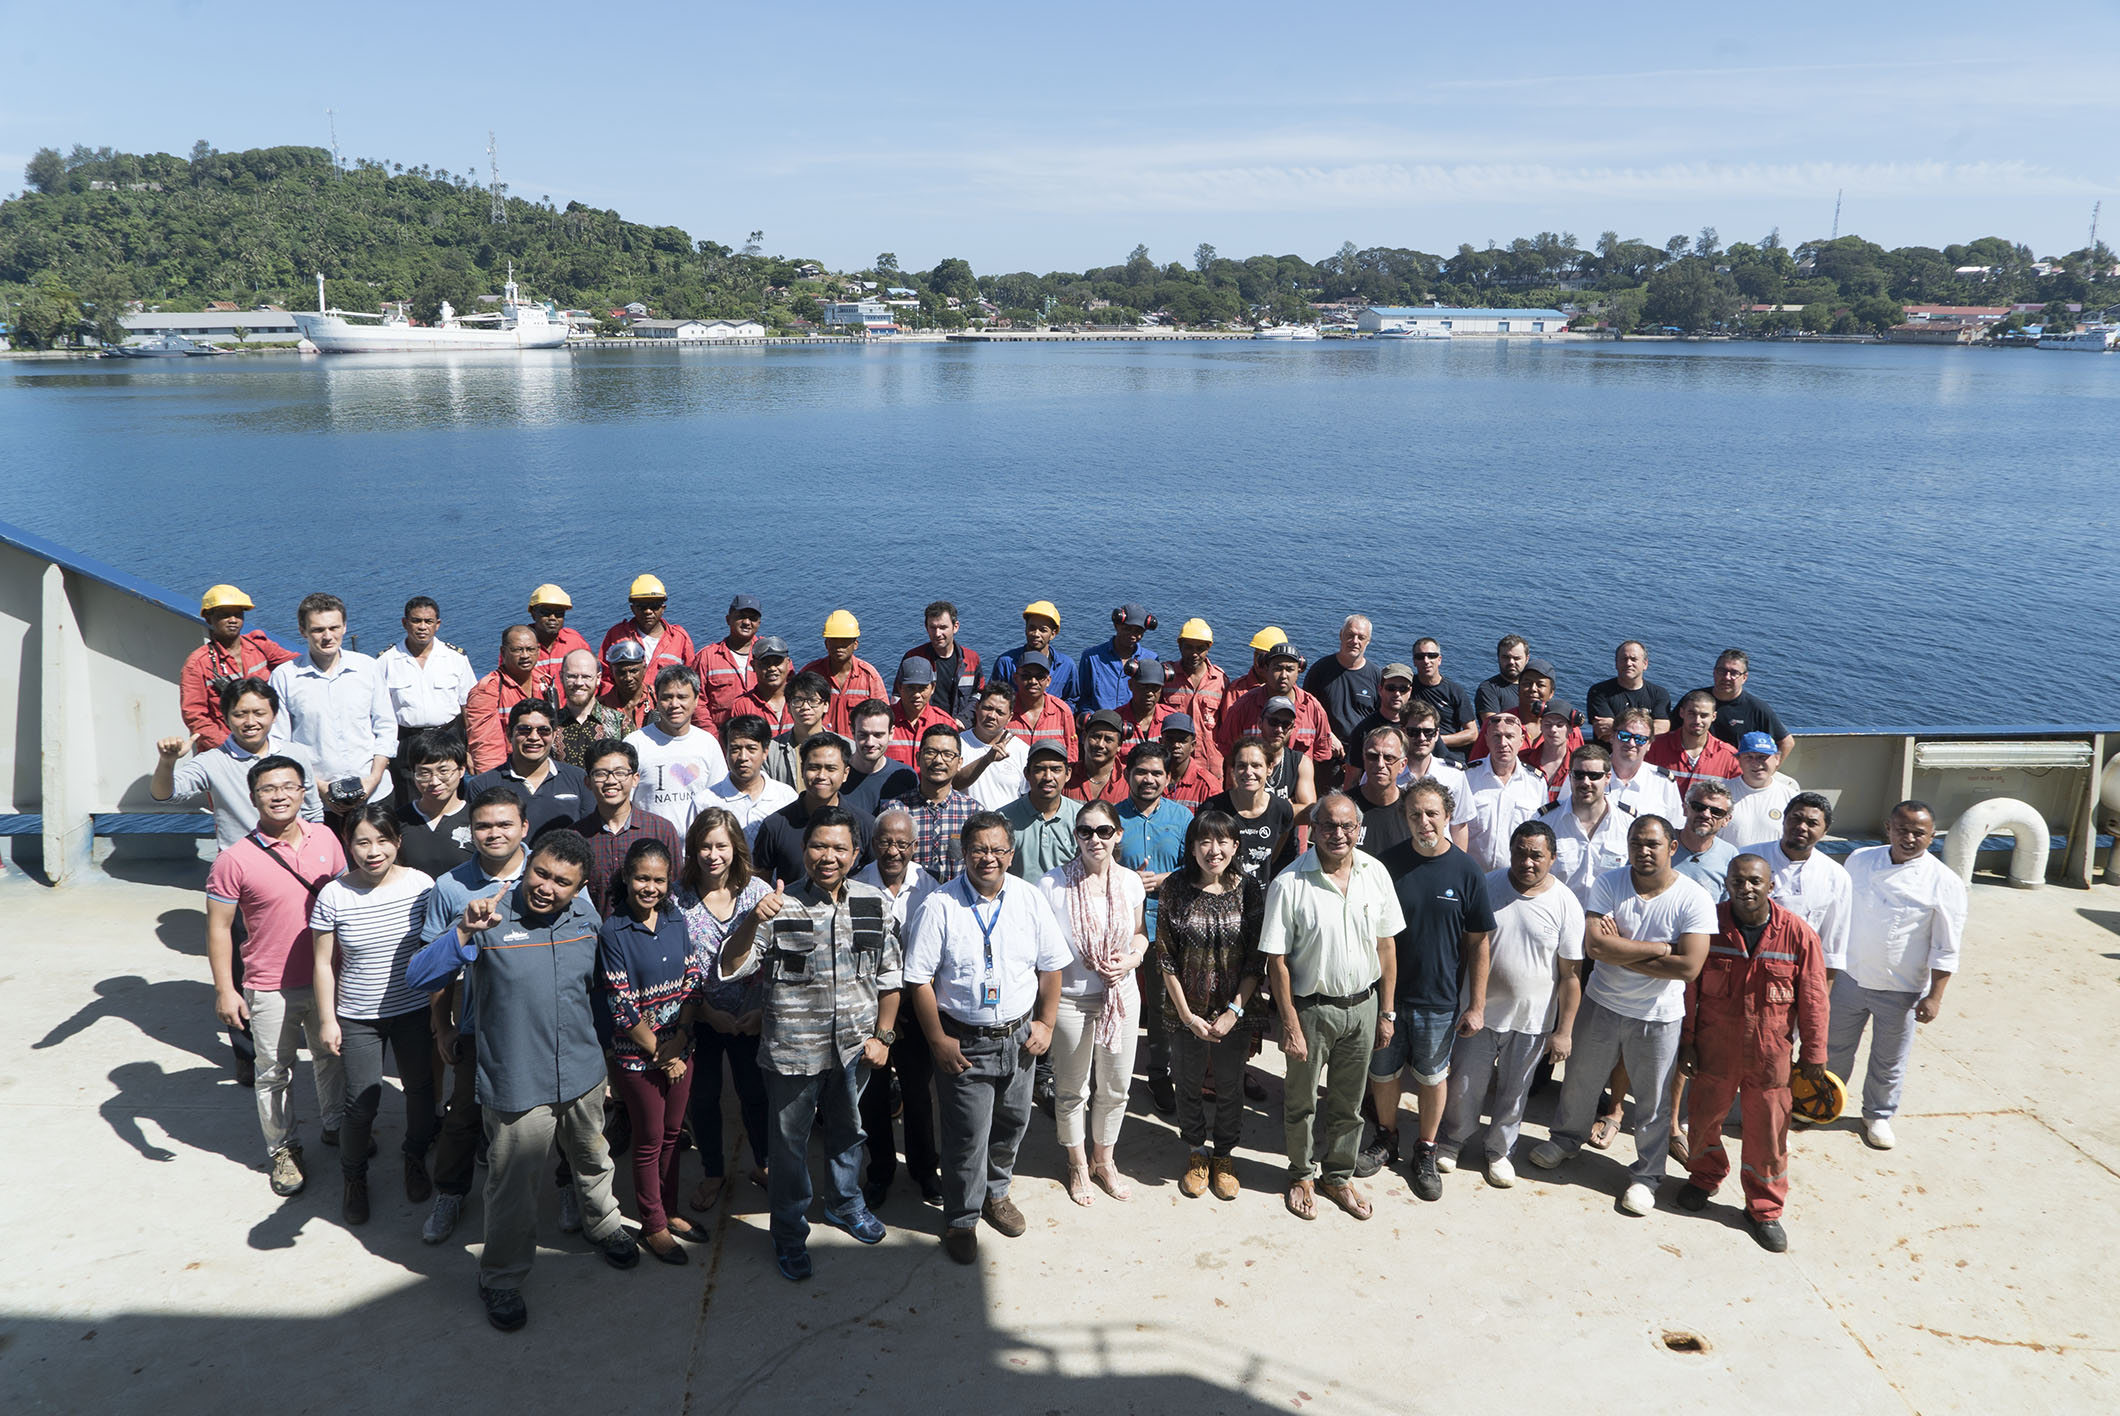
<point>145,1266</point>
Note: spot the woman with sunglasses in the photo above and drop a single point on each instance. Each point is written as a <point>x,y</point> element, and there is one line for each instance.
<point>1636,785</point>
<point>1207,956</point>
<point>1100,906</point>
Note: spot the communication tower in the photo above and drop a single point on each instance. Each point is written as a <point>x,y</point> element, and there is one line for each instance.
<point>331,115</point>
<point>493,164</point>
<point>1836,211</point>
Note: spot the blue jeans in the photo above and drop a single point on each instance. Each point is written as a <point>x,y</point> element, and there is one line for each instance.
<point>709,1048</point>
<point>792,1104</point>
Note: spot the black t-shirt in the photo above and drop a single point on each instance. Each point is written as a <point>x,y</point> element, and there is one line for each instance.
<point>867,793</point>
<point>1359,738</point>
<point>1382,826</point>
<point>777,853</point>
<point>1494,695</point>
<point>1606,698</point>
<point>1259,840</point>
<point>1444,898</point>
<point>436,849</point>
<point>562,796</point>
<point>1453,704</point>
<point>1746,714</point>
<point>1349,695</point>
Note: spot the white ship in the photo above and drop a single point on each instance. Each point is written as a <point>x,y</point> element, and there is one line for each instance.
<point>2091,339</point>
<point>517,325</point>
<point>1285,331</point>
<point>1413,332</point>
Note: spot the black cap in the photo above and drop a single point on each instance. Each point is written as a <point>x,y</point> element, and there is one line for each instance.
<point>745,602</point>
<point>1045,749</point>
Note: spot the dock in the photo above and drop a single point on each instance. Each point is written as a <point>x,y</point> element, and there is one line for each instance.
<point>147,1267</point>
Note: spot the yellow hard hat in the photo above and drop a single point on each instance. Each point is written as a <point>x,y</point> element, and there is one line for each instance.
<point>1044,608</point>
<point>1268,637</point>
<point>1818,1104</point>
<point>647,587</point>
<point>841,624</point>
<point>549,594</point>
<point>224,597</point>
<point>1196,629</point>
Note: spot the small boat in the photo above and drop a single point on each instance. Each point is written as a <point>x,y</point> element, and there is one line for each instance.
<point>2091,339</point>
<point>1285,332</point>
<point>162,346</point>
<point>1414,332</point>
<point>517,325</point>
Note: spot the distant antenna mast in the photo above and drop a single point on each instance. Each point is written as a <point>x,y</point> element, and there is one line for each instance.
<point>493,164</point>
<point>1836,211</point>
<point>332,115</point>
<point>2094,228</point>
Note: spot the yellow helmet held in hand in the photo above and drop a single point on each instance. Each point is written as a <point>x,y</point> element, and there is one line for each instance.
<point>1818,1103</point>
<point>1268,637</point>
<point>647,587</point>
<point>841,624</point>
<point>224,597</point>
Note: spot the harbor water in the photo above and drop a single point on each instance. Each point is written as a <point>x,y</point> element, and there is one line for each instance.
<point>1897,535</point>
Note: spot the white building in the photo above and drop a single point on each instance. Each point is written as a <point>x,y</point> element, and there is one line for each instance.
<point>213,326</point>
<point>688,330</point>
<point>1458,320</point>
<point>872,315</point>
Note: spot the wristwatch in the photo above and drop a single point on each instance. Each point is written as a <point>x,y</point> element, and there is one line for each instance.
<point>887,1037</point>
<point>1233,1007</point>
<point>1389,1016</point>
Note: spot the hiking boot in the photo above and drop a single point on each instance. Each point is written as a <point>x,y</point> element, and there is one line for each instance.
<point>1427,1181</point>
<point>1193,1183</point>
<point>287,1177</point>
<point>1382,1150</point>
<point>353,1203</point>
<point>505,1308</point>
<point>441,1220</point>
<point>1224,1182</point>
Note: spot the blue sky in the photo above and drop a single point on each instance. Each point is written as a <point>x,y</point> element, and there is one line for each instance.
<point>1047,137</point>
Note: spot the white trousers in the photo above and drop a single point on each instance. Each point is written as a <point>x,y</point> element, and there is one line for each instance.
<point>1077,1061</point>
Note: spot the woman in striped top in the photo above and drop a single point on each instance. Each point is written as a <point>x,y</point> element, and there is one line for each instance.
<point>648,986</point>
<point>366,925</point>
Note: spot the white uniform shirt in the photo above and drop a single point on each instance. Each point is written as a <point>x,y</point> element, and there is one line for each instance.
<point>1906,920</point>
<point>1816,890</point>
<point>1531,932</point>
<point>748,811</point>
<point>1681,908</point>
<point>1500,807</point>
<point>917,882</point>
<point>342,720</point>
<point>677,775</point>
<point>949,949</point>
<point>1755,812</point>
<point>1001,782</point>
<point>1650,792</point>
<point>1579,859</point>
<point>430,694</point>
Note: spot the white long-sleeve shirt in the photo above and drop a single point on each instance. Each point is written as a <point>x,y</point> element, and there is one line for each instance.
<point>1817,891</point>
<point>1907,920</point>
<point>342,720</point>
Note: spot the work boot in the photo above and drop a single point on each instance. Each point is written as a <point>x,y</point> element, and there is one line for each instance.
<point>1193,1183</point>
<point>1771,1236</point>
<point>1224,1179</point>
<point>353,1203</point>
<point>1692,1198</point>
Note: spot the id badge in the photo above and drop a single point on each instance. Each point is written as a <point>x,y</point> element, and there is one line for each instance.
<point>990,994</point>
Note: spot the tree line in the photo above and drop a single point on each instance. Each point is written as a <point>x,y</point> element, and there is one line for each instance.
<point>97,229</point>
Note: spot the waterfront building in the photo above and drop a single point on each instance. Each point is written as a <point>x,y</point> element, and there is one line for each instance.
<point>266,326</point>
<point>697,329</point>
<point>872,315</point>
<point>1458,320</point>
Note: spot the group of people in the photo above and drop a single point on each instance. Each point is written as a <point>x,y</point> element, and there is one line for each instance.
<point>576,895</point>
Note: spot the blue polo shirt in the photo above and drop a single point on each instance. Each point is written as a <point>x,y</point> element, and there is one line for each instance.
<point>1064,686</point>
<point>445,906</point>
<point>1155,841</point>
<point>1104,680</point>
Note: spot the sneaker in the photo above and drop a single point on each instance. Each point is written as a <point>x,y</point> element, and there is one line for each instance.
<point>962,1243</point>
<point>1382,1150</point>
<point>1771,1236</point>
<point>1427,1183</point>
<point>1547,1156</point>
<point>1004,1216</point>
<point>793,1263</point>
<point>1692,1198</point>
<point>1193,1183</point>
<point>570,1210</point>
<point>287,1177</point>
<point>1164,1093</point>
<point>1638,1199</point>
<point>1445,1160</point>
<point>619,1250</point>
<point>1500,1173</point>
<point>1877,1133</point>
<point>1224,1181</point>
<point>417,1184</point>
<point>441,1220</point>
<point>504,1307</point>
<point>353,1202</point>
<point>864,1226</point>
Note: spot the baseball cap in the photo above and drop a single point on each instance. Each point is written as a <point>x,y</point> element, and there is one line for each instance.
<point>647,587</point>
<point>224,597</point>
<point>1045,749</point>
<point>1045,610</point>
<point>550,594</point>
<point>1283,650</point>
<point>1105,719</point>
<point>1279,703</point>
<point>1150,671</point>
<point>1758,742</point>
<point>1392,671</point>
<point>1133,616</point>
<point>770,646</point>
<point>1035,659</point>
<point>1196,629</point>
<point>745,602</point>
<point>1180,723</point>
<point>916,671</point>
<point>1541,668</point>
<point>627,651</point>
<point>1558,708</point>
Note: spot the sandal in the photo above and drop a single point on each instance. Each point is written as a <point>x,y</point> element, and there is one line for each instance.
<point>1348,1198</point>
<point>1111,1182</point>
<point>707,1195</point>
<point>1078,1186</point>
<point>1302,1200</point>
<point>1603,1132</point>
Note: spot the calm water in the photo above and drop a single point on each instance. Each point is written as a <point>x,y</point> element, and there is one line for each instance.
<point>1897,535</point>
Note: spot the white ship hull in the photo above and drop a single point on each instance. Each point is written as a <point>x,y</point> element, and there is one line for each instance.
<point>1413,332</point>
<point>1279,333</point>
<point>333,334</point>
<point>2096,339</point>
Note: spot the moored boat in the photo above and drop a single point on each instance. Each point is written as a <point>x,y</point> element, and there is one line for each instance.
<point>517,325</point>
<point>162,346</point>
<point>1283,332</point>
<point>2091,339</point>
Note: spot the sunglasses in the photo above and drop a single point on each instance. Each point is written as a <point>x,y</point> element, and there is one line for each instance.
<point>531,730</point>
<point>1100,833</point>
<point>1424,657</point>
<point>1589,776</point>
<point>1716,812</point>
<point>1637,739</point>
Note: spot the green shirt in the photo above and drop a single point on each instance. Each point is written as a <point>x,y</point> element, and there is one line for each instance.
<point>1330,938</point>
<point>1042,843</point>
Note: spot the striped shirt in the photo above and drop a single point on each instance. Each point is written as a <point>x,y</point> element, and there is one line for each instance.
<point>377,928</point>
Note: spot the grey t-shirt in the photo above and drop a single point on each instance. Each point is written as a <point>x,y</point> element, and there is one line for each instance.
<point>222,774</point>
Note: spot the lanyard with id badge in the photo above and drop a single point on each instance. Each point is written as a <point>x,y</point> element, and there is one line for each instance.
<point>989,986</point>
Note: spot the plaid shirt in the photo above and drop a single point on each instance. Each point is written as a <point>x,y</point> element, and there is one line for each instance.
<point>938,830</point>
<point>826,964</point>
<point>607,851</point>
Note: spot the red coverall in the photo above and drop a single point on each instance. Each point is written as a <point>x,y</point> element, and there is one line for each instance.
<point>1738,1021</point>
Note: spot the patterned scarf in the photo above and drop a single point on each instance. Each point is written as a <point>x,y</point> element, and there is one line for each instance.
<point>1103,939</point>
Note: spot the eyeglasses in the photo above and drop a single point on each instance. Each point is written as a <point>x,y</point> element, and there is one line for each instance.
<point>423,776</point>
<point>1717,812</point>
<point>939,754</point>
<point>611,774</point>
<point>991,852</point>
<point>1100,833</point>
<point>1338,828</point>
<point>1582,776</point>
<point>1387,758</point>
<point>1638,739</point>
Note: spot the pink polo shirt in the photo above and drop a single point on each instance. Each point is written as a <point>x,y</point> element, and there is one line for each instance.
<point>277,951</point>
